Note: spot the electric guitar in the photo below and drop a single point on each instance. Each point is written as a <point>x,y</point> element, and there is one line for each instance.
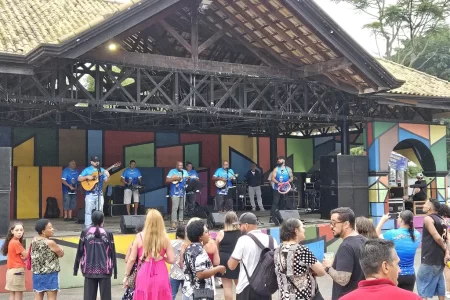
<point>88,185</point>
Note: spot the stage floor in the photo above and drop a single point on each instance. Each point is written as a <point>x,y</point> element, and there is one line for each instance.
<point>63,228</point>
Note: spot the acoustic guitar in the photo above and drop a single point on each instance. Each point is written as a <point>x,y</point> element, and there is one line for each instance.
<point>223,183</point>
<point>88,185</point>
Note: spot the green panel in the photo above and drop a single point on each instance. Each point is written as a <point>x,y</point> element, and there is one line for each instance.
<point>144,155</point>
<point>382,195</point>
<point>439,151</point>
<point>191,154</point>
<point>46,144</point>
<point>361,139</point>
<point>381,127</point>
<point>440,182</point>
<point>310,232</point>
<point>302,149</point>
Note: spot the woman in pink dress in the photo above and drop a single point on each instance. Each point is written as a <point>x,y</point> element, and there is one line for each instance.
<point>152,249</point>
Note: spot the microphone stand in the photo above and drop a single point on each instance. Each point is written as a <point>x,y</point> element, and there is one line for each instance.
<point>183,190</point>
<point>98,187</point>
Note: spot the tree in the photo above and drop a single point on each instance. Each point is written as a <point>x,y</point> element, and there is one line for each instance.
<point>395,21</point>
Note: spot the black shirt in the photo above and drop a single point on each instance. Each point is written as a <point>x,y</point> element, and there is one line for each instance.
<point>347,260</point>
<point>422,195</point>
<point>432,253</point>
<point>253,180</point>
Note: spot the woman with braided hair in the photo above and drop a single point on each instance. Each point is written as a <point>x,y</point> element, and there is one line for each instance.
<point>406,240</point>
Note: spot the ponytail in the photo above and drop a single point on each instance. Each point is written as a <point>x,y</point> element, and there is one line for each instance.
<point>411,232</point>
<point>97,231</point>
<point>408,218</point>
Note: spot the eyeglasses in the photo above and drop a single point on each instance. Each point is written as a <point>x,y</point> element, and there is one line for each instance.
<point>332,224</point>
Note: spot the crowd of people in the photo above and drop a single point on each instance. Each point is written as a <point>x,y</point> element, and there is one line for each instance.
<point>369,263</point>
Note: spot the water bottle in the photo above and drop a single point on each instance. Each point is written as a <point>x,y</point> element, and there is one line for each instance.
<point>130,180</point>
<point>281,179</point>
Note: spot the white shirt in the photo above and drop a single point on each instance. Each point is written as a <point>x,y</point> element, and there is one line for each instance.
<point>248,252</point>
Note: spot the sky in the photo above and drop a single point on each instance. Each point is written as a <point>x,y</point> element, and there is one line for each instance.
<point>352,22</point>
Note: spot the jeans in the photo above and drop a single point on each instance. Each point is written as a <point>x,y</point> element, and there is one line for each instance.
<point>252,190</point>
<point>278,203</point>
<point>91,203</point>
<point>177,208</point>
<point>176,285</point>
<point>430,281</point>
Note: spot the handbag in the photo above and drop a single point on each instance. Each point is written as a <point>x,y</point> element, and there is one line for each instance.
<point>28,262</point>
<point>203,294</point>
<point>133,275</point>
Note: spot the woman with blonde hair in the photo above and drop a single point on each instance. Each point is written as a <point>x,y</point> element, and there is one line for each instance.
<point>152,249</point>
<point>226,241</point>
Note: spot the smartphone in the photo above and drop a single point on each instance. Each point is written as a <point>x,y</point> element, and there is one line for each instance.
<point>393,215</point>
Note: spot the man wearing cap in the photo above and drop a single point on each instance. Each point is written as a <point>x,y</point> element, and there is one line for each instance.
<point>247,252</point>
<point>280,174</point>
<point>420,188</point>
<point>94,198</point>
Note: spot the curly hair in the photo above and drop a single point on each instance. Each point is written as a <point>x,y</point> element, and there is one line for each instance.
<point>287,230</point>
<point>195,231</point>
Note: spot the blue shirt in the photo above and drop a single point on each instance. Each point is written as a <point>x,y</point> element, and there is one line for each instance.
<point>193,173</point>
<point>405,247</point>
<point>221,172</point>
<point>99,186</point>
<point>133,174</point>
<point>71,177</point>
<point>177,190</point>
<point>282,176</point>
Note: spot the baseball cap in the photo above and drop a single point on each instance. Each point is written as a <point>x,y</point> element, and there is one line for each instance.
<point>94,158</point>
<point>247,218</point>
<point>281,157</point>
<point>419,175</point>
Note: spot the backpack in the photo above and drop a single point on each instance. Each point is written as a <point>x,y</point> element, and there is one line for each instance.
<point>264,279</point>
<point>52,209</point>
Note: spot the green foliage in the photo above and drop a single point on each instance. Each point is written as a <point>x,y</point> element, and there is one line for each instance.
<point>90,82</point>
<point>413,171</point>
<point>357,150</point>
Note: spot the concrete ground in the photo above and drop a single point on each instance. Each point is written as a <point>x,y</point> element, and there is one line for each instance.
<point>325,285</point>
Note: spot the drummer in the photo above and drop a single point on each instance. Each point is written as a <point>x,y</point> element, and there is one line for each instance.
<point>191,195</point>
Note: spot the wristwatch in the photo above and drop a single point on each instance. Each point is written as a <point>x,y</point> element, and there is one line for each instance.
<point>327,269</point>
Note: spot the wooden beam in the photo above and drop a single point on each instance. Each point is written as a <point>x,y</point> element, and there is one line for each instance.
<point>171,63</point>
<point>176,35</point>
<point>19,69</point>
<point>329,66</point>
<point>212,40</point>
<point>194,31</point>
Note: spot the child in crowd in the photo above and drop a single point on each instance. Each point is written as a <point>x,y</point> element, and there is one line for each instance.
<point>176,271</point>
<point>15,275</point>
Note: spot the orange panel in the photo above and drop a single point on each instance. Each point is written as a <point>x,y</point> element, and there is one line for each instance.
<point>168,157</point>
<point>417,129</point>
<point>51,186</point>
<point>384,180</point>
<point>325,230</point>
<point>281,147</point>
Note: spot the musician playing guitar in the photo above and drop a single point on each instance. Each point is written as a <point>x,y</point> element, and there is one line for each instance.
<point>420,188</point>
<point>177,177</point>
<point>227,175</point>
<point>280,174</point>
<point>130,178</point>
<point>94,198</point>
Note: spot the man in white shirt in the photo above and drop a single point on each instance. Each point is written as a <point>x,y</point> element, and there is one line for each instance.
<point>247,252</point>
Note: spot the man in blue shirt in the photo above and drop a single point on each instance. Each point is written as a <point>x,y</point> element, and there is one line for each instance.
<point>280,174</point>
<point>130,178</point>
<point>69,189</point>
<point>223,203</point>
<point>177,178</point>
<point>94,198</point>
<point>191,195</point>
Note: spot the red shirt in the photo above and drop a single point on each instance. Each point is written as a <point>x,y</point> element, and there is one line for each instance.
<point>379,289</point>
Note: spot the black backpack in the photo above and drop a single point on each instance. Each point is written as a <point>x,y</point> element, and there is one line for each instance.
<point>52,209</point>
<point>264,279</point>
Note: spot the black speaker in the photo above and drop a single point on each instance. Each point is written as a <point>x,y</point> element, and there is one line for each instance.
<point>80,215</point>
<point>217,219</point>
<point>357,198</point>
<point>128,224</point>
<point>344,170</point>
<point>5,189</point>
<point>283,215</point>
<point>117,197</point>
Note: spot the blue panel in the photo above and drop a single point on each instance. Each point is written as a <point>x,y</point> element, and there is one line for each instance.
<point>317,248</point>
<point>440,198</point>
<point>5,136</point>
<point>2,258</point>
<point>275,233</point>
<point>372,180</point>
<point>163,139</point>
<point>240,164</point>
<point>324,149</point>
<point>95,145</point>
<point>155,199</point>
<point>321,140</point>
<point>152,178</point>
<point>390,224</point>
<point>377,209</point>
<point>404,135</point>
<point>374,156</point>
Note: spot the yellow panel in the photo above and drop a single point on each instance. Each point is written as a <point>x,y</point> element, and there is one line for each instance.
<point>23,154</point>
<point>27,192</point>
<point>113,180</point>
<point>240,143</point>
<point>409,154</point>
<point>436,133</point>
<point>373,196</point>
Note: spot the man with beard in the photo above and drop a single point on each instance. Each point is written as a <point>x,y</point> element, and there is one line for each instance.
<point>345,270</point>
<point>247,252</point>
<point>280,174</point>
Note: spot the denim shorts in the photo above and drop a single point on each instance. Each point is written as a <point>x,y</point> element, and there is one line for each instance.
<point>46,282</point>
<point>430,281</point>
<point>69,201</point>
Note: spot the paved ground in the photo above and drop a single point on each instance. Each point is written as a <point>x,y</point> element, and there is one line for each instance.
<point>325,285</point>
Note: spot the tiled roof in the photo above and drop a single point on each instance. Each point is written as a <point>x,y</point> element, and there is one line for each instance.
<point>25,24</point>
<point>416,83</point>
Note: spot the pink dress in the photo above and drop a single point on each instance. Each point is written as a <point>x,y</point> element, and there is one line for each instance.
<point>152,281</point>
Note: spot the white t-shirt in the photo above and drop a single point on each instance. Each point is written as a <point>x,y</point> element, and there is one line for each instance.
<point>248,252</point>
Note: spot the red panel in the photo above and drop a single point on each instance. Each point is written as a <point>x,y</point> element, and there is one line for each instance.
<point>281,147</point>
<point>51,186</point>
<point>168,157</point>
<point>116,140</point>
<point>12,195</point>
<point>264,153</point>
<point>386,206</point>
<point>210,153</point>
<point>369,134</point>
<point>325,230</point>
